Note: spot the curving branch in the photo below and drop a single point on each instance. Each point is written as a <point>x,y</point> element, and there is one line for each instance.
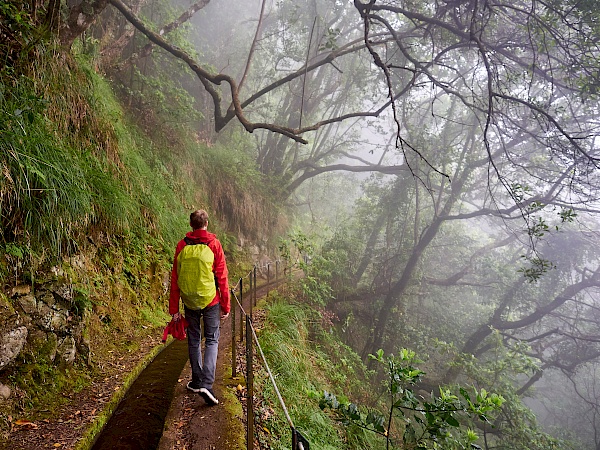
<point>79,19</point>
<point>572,140</point>
<point>253,45</point>
<point>183,18</point>
<point>208,80</point>
<point>317,170</point>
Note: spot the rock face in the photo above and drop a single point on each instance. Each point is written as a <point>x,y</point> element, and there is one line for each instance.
<point>11,344</point>
<point>44,324</point>
<point>4,391</point>
<point>66,351</point>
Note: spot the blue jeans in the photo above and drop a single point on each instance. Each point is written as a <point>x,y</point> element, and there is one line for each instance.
<point>203,373</point>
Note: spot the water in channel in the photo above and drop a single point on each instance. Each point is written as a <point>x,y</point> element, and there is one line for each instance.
<point>137,423</point>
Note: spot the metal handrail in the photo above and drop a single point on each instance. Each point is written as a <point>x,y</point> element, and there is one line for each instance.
<point>299,442</point>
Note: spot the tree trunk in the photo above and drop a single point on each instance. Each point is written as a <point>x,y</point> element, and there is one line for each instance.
<point>80,17</point>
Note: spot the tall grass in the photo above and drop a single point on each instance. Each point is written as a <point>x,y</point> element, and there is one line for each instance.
<point>306,359</point>
<point>79,177</point>
<point>62,172</point>
<point>43,190</point>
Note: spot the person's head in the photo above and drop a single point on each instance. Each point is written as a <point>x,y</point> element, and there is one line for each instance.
<point>199,219</point>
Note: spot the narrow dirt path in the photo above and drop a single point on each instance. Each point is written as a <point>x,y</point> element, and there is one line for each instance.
<point>190,423</point>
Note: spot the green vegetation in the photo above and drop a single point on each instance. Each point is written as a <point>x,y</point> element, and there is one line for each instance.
<point>413,421</point>
<point>397,404</point>
<point>96,198</point>
<point>475,228</point>
<point>305,359</point>
<point>309,363</point>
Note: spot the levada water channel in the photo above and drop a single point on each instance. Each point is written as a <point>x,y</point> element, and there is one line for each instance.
<point>138,421</point>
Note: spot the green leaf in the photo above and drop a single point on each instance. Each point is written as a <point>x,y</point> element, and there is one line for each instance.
<point>451,420</point>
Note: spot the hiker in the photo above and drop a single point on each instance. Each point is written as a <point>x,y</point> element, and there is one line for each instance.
<point>199,278</point>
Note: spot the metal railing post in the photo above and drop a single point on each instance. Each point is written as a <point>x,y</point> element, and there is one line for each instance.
<point>254,285</point>
<point>233,353</point>
<point>250,292</point>
<point>250,287</point>
<point>299,442</point>
<point>241,314</point>
<point>249,386</point>
<point>268,273</point>
<point>251,311</point>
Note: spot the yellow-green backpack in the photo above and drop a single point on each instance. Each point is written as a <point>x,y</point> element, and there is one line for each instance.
<point>195,277</point>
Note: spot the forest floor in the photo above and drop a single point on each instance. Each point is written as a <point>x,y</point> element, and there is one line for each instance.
<point>190,423</point>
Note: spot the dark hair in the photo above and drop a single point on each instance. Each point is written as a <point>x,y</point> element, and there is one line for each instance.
<point>198,219</point>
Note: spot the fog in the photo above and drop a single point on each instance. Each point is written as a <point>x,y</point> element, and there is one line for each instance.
<point>446,160</point>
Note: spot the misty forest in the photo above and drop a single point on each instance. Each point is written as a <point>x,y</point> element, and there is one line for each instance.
<point>430,168</point>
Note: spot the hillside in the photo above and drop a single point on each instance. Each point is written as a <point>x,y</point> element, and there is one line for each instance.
<point>94,198</point>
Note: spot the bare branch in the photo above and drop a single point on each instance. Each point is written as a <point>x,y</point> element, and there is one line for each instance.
<point>207,79</point>
<point>253,45</point>
<point>184,17</point>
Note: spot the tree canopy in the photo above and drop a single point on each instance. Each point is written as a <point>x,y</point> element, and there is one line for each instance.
<point>525,74</point>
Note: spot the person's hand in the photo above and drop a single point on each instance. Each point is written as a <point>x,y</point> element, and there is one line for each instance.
<point>177,316</point>
<point>224,316</point>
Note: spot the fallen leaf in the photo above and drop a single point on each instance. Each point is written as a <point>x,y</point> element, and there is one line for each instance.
<point>57,445</point>
<point>26,424</point>
<point>22,422</point>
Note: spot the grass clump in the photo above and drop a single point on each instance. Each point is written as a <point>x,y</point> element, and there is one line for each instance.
<point>71,164</point>
<point>305,360</point>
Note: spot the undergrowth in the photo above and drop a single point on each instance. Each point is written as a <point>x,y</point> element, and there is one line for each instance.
<point>306,359</point>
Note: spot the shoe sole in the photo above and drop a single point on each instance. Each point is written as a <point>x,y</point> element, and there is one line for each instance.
<point>194,390</point>
<point>210,399</point>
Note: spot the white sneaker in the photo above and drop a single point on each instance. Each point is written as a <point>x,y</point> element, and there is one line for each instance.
<point>209,396</point>
<point>192,387</point>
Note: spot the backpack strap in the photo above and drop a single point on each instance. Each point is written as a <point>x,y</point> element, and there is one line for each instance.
<point>188,241</point>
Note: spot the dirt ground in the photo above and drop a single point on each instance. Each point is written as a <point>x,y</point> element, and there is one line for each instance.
<point>190,423</point>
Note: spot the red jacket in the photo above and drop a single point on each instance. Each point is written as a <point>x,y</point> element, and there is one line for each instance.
<point>219,269</point>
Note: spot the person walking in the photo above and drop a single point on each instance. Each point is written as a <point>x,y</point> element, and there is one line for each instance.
<point>199,278</point>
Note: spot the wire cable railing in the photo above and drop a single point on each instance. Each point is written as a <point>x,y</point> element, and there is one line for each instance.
<point>299,442</point>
